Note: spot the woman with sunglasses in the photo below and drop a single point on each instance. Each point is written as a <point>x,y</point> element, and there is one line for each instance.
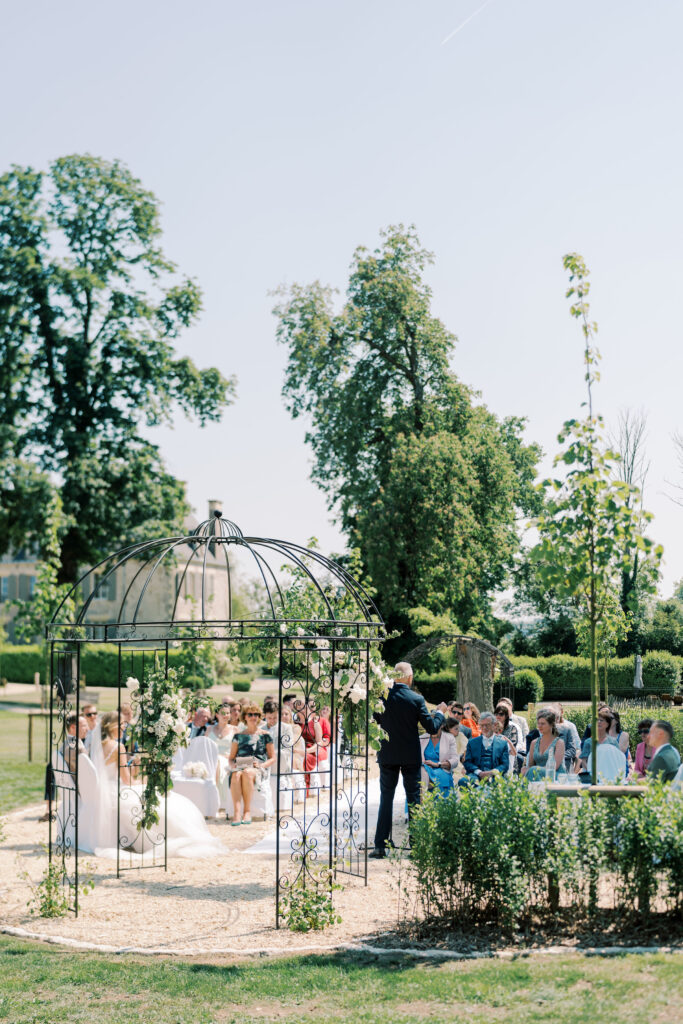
<point>251,756</point>
<point>471,718</point>
<point>644,752</point>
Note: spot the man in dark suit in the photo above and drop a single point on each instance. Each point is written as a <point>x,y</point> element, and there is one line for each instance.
<point>486,755</point>
<point>403,710</point>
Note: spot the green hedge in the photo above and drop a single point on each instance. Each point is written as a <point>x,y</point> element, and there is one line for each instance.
<point>568,678</point>
<point>528,687</point>
<point>241,685</point>
<point>444,686</point>
<point>99,663</point>
<point>506,857</point>
<point>437,687</point>
<point>19,664</point>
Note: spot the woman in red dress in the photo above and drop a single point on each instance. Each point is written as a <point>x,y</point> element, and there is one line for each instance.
<point>316,734</point>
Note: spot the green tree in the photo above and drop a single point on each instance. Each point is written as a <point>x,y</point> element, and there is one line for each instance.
<point>90,309</point>
<point>426,483</point>
<point>592,522</point>
<point>48,593</point>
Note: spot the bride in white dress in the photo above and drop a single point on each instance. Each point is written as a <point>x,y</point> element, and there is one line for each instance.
<point>186,830</point>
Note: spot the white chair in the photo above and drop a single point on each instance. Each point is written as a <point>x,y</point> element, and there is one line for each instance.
<point>202,792</point>
<point>87,796</point>
<point>322,776</point>
<point>611,763</point>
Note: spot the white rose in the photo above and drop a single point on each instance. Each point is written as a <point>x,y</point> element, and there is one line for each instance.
<point>132,683</point>
<point>356,694</point>
<point>300,631</point>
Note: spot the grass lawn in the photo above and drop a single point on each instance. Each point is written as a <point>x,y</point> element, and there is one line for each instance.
<point>20,782</point>
<point>41,984</point>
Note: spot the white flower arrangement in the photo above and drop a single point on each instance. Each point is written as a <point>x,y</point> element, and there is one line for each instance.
<point>195,770</point>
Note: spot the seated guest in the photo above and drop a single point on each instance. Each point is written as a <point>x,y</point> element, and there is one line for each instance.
<point>604,723</point>
<point>486,755</point>
<point>251,755</point>
<point>200,723</point>
<point>507,728</point>
<point>666,761</point>
<point>439,760</point>
<point>617,733</point>
<point>471,717</point>
<point>547,750</point>
<point>453,727</point>
<point>568,732</point>
<point>518,721</point>
<point>587,731</point>
<point>504,727</point>
<point>222,734</point>
<point>89,712</point>
<point>644,752</point>
<point>69,749</point>
<point>455,711</point>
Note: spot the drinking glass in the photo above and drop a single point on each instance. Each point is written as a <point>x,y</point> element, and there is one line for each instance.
<point>550,773</point>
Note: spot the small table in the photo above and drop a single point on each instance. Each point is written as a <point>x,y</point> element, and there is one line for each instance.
<point>31,716</point>
<point>602,789</point>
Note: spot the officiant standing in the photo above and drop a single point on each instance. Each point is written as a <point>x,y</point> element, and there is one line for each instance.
<point>403,711</point>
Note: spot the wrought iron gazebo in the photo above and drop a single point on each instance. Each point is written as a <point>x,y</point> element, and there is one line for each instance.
<point>152,597</point>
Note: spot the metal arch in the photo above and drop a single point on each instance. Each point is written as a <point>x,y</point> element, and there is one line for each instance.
<point>169,547</point>
<point>276,545</point>
<point>262,564</point>
<point>214,531</point>
<point>450,640</point>
<point>342,574</point>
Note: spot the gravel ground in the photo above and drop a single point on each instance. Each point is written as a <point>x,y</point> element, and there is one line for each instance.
<point>195,905</point>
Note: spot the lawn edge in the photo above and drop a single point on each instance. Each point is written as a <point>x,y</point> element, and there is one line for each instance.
<point>340,947</point>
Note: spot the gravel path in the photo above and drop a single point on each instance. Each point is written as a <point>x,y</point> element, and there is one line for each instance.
<point>195,905</point>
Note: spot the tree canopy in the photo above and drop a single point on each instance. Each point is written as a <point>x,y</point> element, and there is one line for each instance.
<point>90,309</point>
<point>426,482</point>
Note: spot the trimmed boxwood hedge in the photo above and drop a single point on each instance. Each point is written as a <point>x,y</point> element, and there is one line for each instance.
<point>99,663</point>
<point>437,687</point>
<point>568,678</point>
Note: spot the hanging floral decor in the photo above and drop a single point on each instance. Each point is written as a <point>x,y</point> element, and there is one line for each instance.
<point>159,731</point>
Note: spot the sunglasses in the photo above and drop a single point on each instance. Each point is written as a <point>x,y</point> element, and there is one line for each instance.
<point>90,714</point>
<point>253,714</point>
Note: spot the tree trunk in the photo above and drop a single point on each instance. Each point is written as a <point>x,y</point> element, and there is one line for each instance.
<point>475,677</point>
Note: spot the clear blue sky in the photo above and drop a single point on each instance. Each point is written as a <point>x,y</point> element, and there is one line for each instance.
<point>281,134</point>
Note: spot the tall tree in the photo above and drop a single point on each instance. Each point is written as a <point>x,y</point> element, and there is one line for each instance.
<point>89,311</point>
<point>426,483</point>
<point>629,441</point>
<point>592,522</point>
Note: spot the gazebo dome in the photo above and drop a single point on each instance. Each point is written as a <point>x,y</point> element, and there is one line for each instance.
<point>183,588</point>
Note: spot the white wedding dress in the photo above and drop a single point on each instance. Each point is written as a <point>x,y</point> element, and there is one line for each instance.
<point>186,831</point>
